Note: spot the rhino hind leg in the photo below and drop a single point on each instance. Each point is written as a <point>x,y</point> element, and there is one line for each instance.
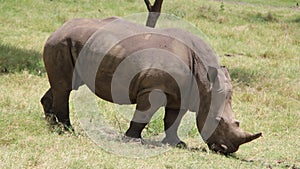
<point>59,66</point>
<point>56,108</point>
<point>47,101</point>
<point>172,120</point>
<point>60,107</point>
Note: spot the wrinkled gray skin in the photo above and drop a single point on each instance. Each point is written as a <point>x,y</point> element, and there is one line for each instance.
<point>63,48</point>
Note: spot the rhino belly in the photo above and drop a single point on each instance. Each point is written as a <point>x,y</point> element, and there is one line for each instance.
<point>120,89</point>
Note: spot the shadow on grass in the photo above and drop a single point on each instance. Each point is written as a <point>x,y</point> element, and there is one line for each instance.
<point>13,59</point>
<point>262,17</point>
<point>297,20</point>
<point>230,156</point>
<point>269,17</point>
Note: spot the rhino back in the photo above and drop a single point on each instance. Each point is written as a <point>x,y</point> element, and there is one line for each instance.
<point>78,30</point>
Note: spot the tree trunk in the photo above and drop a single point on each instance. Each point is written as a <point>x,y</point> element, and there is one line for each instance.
<point>154,12</point>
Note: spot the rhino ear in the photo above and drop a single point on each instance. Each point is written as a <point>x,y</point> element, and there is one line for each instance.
<point>212,74</point>
<point>224,68</point>
<point>226,72</point>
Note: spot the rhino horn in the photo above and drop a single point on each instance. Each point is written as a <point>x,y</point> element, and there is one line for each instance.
<point>249,137</point>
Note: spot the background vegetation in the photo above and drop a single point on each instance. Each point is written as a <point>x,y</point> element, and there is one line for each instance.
<point>259,41</point>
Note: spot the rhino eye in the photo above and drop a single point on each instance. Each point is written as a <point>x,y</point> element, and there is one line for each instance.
<point>228,95</point>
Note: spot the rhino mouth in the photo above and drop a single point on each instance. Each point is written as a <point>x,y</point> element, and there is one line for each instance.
<point>231,147</point>
<point>222,148</point>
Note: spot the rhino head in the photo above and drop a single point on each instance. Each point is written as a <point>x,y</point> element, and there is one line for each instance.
<point>218,128</point>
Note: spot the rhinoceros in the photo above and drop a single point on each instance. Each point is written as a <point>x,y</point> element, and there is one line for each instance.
<point>127,63</point>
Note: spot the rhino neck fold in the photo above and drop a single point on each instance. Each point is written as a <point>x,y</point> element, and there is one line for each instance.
<point>212,106</point>
<point>203,111</point>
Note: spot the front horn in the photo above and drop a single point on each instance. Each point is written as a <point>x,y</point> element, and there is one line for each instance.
<point>249,137</point>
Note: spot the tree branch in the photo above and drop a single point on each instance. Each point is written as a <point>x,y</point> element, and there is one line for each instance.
<point>157,6</point>
<point>148,4</point>
<point>154,12</point>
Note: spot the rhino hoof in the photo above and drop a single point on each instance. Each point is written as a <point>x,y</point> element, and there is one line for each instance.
<point>51,119</point>
<point>181,145</point>
<point>177,144</point>
<point>58,127</point>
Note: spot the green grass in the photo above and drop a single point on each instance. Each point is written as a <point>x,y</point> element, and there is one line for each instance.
<point>274,3</point>
<point>257,40</point>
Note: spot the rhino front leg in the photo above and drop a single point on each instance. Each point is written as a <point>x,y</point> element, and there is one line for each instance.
<point>135,130</point>
<point>171,122</point>
<point>147,105</point>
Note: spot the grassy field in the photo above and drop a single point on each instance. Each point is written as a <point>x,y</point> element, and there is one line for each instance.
<point>259,41</point>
